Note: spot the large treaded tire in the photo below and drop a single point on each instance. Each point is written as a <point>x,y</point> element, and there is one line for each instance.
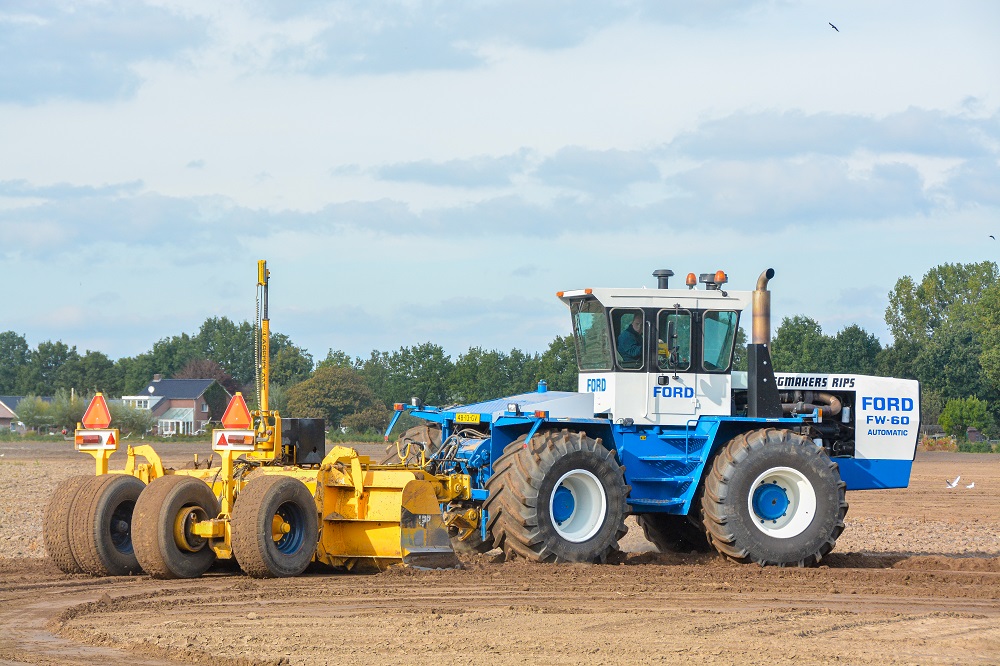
<point>101,525</point>
<point>153,521</point>
<point>522,503</point>
<point>761,469</point>
<point>261,551</point>
<point>673,534</point>
<point>56,527</point>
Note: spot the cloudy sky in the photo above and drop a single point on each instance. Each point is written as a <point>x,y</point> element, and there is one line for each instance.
<point>436,171</point>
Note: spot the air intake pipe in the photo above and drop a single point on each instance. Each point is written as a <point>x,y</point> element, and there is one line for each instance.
<point>762,389</point>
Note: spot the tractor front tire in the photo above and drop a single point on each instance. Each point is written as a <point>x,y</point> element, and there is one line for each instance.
<point>775,498</point>
<point>671,533</point>
<point>101,530</point>
<point>560,497</point>
<point>164,543</point>
<point>275,527</point>
<point>57,525</point>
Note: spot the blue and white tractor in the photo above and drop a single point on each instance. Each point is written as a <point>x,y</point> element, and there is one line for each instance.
<point>753,464</point>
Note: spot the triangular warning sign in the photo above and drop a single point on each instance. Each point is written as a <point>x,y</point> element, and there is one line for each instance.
<point>97,415</point>
<point>237,416</point>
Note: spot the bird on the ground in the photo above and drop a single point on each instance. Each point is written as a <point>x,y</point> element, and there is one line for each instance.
<point>952,484</point>
<point>971,485</point>
<point>834,27</point>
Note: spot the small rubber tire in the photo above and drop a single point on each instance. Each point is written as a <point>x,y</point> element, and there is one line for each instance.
<point>671,533</point>
<point>159,508</point>
<point>260,551</point>
<point>524,498</point>
<point>101,531</point>
<point>471,544</point>
<point>56,525</point>
<point>775,498</point>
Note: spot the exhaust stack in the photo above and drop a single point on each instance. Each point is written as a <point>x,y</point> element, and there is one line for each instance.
<point>762,389</point>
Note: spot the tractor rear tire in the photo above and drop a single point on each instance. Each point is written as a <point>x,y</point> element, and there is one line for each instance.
<point>671,533</point>
<point>101,530</point>
<point>57,525</point>
<point>275,527</point>
<point>775,498</point>
<point>164,543</point>
<point>559,498</point>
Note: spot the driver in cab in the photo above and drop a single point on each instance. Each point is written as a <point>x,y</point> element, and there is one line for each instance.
<point>630,341</point>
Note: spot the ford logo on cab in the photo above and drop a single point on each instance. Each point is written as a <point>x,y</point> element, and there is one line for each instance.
<point>673,392</point>
<point>597,385</point>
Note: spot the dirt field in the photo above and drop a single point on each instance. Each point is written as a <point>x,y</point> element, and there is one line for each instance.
<point>915,579</point>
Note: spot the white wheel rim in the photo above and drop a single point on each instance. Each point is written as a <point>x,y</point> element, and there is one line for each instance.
<point>801,498</point>
<point>590,506</point>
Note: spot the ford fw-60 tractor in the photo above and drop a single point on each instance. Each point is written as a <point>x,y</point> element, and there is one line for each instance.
<point>752,464</point>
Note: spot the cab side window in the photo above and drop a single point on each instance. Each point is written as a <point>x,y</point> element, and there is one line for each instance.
<point>630,339</point>
<point>717,344</point>
<point>674,340</point>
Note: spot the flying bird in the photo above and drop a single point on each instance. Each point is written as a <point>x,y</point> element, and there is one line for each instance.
<point>993,237</point>
<point>971,485</point>
<point>834,27</point>
<point>952,484</point>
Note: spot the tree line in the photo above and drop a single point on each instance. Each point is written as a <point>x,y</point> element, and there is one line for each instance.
<point>945,329</point>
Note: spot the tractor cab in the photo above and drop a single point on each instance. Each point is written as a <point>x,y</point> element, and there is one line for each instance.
<point>657,356</point>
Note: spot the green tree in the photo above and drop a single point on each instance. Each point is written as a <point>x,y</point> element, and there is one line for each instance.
<point>371,420</point>
<point>339,359</point>
<point>93,372</point>
<point>230,345</point>
<point>916,310</point>
<point>854,350</point>
<point>740,359</point>
<point>136,372</point>
<point>950,361</point>
<point>34,413</point>
<point>66,410</point>
<point>291,365</point>
<point>800,346</point>
<point>483,375</point>
<point>557,366</point>
<point>331,393</point>
<point>129,420</point>
<point>44,372</point>
<point>960,414</point>
<point>14,357</point>
<point>422,371</point>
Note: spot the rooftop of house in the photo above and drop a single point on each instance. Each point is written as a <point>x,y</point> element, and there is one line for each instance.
<point>178,389</point>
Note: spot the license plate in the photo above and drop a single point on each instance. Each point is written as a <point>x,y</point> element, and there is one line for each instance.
<point>466,418</point>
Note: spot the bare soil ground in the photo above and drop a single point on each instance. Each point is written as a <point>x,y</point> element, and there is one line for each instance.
<point>915,579</point>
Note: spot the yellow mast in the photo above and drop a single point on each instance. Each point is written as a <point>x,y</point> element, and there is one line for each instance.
<point>264,325</point>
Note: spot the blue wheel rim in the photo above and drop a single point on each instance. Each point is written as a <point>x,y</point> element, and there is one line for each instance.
<point>563,505</point>
<point>770,501</point>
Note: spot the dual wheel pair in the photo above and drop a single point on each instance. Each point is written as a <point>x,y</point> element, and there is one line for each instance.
<point>771,496</point>
<point>115,525</point>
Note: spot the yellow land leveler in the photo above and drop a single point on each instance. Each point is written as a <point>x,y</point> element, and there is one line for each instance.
<point>276,502</point>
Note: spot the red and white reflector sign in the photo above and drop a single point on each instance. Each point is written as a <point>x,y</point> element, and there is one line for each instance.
<point>96,440</point>
<point>97,415</point>
<point>233,440</point>
<point>237,416</point>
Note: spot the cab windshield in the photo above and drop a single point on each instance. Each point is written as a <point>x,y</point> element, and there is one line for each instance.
<point>590,331</point>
